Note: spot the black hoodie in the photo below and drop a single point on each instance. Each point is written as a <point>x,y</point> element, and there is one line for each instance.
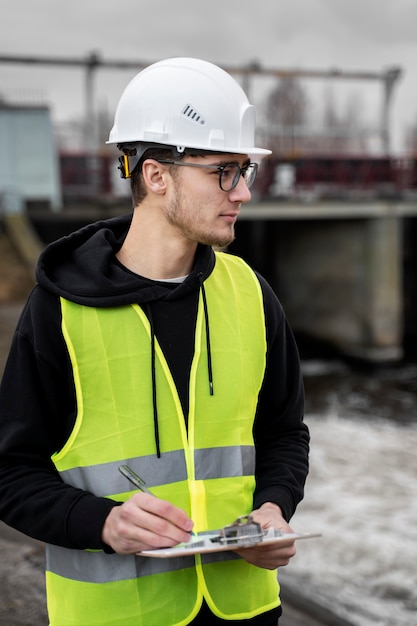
<point>37,395</point>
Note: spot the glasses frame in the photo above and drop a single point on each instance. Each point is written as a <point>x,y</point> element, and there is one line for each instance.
<point>252,168</point>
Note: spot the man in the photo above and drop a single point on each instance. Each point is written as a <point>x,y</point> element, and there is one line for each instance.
<point>142,346</point>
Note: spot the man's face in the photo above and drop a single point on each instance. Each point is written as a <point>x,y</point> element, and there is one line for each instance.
<point>199,208</point>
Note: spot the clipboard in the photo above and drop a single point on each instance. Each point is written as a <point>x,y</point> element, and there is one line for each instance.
<point>244,533</point>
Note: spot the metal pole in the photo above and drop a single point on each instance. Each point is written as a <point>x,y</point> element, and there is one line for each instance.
<point>91,125</point>
<point>90,122</point>
<point>389,79</point>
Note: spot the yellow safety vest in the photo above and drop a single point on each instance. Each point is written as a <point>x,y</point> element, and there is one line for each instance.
<point>207,471</point>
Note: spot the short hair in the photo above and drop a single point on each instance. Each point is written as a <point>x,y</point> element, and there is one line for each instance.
<point>159,153</point>
<point>136,179</point>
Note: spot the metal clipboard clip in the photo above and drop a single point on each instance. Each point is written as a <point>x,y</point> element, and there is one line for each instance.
<point>244,530</point>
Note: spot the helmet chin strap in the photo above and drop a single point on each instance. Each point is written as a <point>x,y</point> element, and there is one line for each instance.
<point>133,153</point>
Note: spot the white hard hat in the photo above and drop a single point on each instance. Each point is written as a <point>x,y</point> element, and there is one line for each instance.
<point>186,103</point>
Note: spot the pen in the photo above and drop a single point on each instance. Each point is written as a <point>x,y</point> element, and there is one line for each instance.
<point>137,481</point>
<point>134,479</point>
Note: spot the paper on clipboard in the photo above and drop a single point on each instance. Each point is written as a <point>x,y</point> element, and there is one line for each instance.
<point>209,542</point>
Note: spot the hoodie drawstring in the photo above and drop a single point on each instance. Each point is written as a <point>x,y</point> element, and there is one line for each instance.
<point>206,321</point>
<point>153,374</point>
<point>153,358</point>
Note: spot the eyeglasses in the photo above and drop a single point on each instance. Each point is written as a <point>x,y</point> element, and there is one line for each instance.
<point>229,174</point>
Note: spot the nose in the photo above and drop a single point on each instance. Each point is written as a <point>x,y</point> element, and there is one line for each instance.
<point>241,192</point>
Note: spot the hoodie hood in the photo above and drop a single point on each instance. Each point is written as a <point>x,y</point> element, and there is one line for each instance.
<point>82,268</point>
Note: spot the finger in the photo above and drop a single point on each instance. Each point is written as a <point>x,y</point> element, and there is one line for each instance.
<point>163,510</point>
<point>270,556</point>
<point>269,518</point>
<point>157,523</point>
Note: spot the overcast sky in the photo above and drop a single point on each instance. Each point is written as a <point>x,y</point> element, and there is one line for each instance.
<point>308,34</point>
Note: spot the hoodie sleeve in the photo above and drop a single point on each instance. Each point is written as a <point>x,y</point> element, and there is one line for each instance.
<point>281,436</point>
<point>37,411</point>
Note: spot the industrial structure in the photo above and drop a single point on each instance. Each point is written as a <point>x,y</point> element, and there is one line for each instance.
<point>333,233</point>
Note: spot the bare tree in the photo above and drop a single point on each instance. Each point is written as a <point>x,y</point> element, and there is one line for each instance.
<point>286,115</point>
<point>342,128</point>
<point>291,132</point>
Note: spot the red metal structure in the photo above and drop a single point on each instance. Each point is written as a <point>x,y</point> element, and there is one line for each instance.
<point>88,176</point>
<point>341,177</point>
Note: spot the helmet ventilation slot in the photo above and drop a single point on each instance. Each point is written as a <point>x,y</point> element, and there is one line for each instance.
<point>194,116</point>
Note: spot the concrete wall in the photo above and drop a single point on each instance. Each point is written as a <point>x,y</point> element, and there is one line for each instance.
<point>341,281</point>
<point>339,278</point>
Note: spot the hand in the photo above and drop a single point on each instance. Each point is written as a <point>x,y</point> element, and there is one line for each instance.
<point>145,522</point>
<point>270,556</point>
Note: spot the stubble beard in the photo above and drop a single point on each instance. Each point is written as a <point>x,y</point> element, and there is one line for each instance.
<point>190,225</point>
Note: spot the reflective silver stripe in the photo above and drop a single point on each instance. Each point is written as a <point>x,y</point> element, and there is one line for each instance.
<point>224,462</point>
<point>98,567</point>
<point>216,557</point>
<point>105,479</point>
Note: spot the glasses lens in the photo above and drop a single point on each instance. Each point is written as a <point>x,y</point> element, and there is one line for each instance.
<point>229,177</point>
<point>230,174</point>
<point>250,174</point>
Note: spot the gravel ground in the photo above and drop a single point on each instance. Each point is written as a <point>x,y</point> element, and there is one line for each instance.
<point>22,586</point>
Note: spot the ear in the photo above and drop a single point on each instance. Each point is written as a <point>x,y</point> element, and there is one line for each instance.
<point>155,176</point>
